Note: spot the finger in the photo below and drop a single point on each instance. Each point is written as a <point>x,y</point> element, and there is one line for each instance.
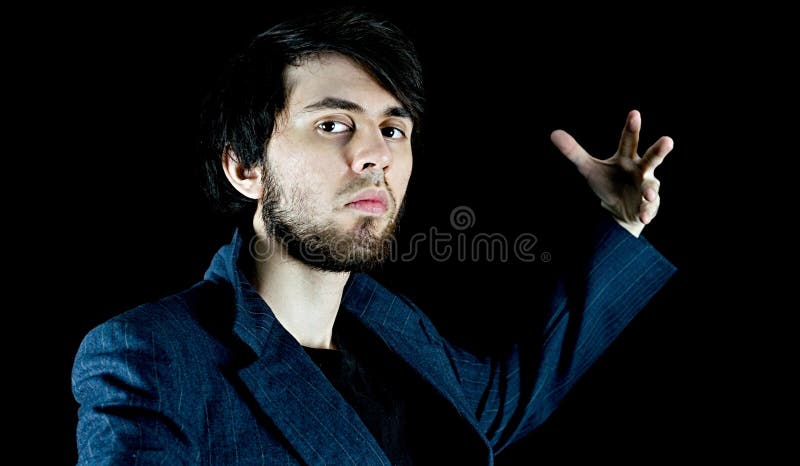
<point>650,189</point>
<point>630,135</point>
<point>648,210</point>
<point>656,153</point>
<point>571,149</point>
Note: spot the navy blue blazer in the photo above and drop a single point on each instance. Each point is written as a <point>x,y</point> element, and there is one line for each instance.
<point>209,376</point>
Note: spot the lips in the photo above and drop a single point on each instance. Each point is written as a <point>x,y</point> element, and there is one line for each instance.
<point>371,201</point>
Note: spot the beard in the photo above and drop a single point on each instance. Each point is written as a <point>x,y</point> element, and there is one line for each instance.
<point>323,245</point>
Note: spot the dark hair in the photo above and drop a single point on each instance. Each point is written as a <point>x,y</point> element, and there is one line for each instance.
<point>240,113</point>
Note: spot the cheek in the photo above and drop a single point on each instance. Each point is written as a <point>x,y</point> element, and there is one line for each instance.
<point>300,180</point>
<point>302,167</point>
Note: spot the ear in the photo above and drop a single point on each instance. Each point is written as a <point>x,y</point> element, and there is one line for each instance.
<point>246,180</point>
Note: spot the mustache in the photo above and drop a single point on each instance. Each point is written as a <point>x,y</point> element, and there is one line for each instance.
<point>371,179</point>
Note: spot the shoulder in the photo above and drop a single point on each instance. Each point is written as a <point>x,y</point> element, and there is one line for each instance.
<point>138,376</point>
<point>168,329</point>
<point>168,316</point>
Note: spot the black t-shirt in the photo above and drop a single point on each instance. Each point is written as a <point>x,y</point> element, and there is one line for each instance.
<point>374,382</point>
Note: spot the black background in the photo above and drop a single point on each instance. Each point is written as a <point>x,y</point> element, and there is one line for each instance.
<point>119,218</point>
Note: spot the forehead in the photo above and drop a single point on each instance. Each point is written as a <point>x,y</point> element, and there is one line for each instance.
<point>334,75</point>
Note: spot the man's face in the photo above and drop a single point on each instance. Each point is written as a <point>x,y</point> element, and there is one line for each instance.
<point>337,166</point>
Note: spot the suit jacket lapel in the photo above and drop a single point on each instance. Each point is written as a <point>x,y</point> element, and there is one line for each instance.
<point>321,426</point>
<point>294,393</point>
<point>401,328</point>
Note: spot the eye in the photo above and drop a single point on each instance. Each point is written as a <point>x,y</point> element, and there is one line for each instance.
<point>392,133</point>
<point>333,126</point>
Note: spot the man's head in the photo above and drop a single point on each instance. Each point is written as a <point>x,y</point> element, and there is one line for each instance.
<point>311,129</point>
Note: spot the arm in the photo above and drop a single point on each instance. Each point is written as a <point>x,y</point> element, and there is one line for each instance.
<point>121,381</point>
<point>589,308</point>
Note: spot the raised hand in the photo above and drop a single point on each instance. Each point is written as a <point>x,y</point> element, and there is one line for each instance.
<point>625,183</point>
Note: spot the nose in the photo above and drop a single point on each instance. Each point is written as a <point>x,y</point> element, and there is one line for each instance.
<point>368,149</point>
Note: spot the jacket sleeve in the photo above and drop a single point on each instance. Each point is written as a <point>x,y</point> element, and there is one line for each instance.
<point>121,381</point>
<point>588,309</point>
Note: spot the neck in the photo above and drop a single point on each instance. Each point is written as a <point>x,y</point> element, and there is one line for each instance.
<point>304,300</point>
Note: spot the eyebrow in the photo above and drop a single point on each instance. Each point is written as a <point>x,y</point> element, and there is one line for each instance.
<point>333,103</point>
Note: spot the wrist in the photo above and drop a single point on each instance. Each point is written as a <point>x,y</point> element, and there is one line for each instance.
<point>634,228</point>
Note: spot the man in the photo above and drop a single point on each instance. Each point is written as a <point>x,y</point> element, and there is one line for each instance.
<point>286,353</point>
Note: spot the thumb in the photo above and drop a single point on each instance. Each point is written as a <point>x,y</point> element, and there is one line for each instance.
<point>571,149</point>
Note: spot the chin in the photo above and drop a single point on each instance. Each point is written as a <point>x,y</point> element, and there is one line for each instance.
<point>360,221</point>
<point>377,225</point>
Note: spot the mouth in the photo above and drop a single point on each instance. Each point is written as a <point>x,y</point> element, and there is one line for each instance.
<point>370,201</point>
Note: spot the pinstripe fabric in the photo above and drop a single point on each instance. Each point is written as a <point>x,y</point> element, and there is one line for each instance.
<point>209,376</point>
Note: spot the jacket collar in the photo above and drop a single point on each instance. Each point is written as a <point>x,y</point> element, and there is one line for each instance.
<point>292,390</point>
<point>255,324</point>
